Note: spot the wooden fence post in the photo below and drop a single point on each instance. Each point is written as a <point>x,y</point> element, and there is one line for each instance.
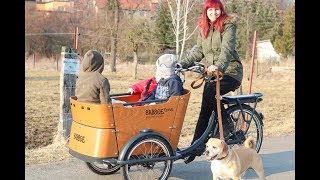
<point>68,75</point>
<point>57,63</point>
<point>34,61</point>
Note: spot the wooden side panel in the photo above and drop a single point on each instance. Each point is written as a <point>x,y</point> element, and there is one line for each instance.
<point>101,130</point>
<point>130,120</point>
<point>93,142</point>
<point>95,115</point>
<point>179,119</point>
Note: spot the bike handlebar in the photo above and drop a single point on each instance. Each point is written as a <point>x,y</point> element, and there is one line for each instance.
<point>201,69</point>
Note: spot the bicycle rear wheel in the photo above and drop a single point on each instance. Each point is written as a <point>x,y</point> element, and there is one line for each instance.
<point>252,128</point>
<point>103,168</point>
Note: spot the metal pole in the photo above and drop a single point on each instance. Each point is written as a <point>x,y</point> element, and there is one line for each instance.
<point>244,125</point>
<point>76,33</point>
<point>252,60</point>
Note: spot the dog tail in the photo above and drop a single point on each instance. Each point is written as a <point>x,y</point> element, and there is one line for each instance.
<point>249,142</point>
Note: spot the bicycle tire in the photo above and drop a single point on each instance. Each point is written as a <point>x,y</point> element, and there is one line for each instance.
<point>103,168</point>
<point>255,128</point>
<point>148,170</point>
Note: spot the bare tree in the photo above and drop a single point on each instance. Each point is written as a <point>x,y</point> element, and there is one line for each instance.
<point>135,37</point>
<point>179,10</point>
<point>47,33</point>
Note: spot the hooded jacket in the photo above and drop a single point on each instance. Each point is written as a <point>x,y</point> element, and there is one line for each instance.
<point>171,86</point>
<point>91,85</point>
<point>140,87</point>
<point>218,49</point>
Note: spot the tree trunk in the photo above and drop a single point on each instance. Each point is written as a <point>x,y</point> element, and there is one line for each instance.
<point>135,62</point>
<point>247,40</point>
<point>185,27</point>
<point>114,37</point>
<point>113,54</point>
<point>177,27</point>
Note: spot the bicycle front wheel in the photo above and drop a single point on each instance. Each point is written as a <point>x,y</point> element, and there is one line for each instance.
<point>148,147</point>
<point>249,126</point>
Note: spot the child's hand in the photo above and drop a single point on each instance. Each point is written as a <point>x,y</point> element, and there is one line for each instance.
<point>130,90</point>
<point>178,65</point>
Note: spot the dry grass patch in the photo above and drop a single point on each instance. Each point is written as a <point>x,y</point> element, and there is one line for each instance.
<point>56,151</point>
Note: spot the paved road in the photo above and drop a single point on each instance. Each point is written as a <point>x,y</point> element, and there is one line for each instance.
<point>278,155</point>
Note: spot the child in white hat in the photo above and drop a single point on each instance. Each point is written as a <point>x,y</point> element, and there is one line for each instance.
<point>169,83</point>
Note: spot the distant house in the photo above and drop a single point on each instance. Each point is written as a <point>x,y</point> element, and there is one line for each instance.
<point>55,5</point>
<point>266,52</point>
<point>139,8</point>
<point>134,8</point>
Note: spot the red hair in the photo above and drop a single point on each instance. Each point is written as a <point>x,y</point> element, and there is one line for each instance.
<point>205,24</point>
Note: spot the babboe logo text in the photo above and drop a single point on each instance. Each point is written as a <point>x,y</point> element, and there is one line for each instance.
<point>157,111</point>
<point>78,137</point>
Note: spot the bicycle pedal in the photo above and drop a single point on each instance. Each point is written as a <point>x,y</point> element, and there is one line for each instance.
<point>189,159</point>
<point>238,136</point>
<point>200,151</point>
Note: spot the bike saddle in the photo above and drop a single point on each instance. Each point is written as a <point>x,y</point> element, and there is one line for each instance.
<point>247,98</point>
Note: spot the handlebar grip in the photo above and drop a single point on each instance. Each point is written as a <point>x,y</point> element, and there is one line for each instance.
<point>216,73</point>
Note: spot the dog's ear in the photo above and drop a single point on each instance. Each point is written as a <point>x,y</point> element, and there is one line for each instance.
<point>224,152</point>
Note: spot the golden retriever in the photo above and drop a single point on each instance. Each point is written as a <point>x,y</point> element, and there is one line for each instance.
<point>227,163</point>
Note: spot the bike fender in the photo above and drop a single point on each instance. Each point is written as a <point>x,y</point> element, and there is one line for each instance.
<point>142,134</point>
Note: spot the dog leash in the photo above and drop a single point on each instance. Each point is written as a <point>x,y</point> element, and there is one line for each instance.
<point>219,75</point>
<point>202,78</point>
<point>199,85</point>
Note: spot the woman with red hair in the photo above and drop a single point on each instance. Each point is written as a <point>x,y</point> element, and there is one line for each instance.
<point>215,47</point>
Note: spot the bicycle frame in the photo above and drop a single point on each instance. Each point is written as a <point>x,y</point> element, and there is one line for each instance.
<point>237,100</point>
<point>178,155</point>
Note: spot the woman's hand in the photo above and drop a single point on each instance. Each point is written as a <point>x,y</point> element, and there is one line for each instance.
<point>212,68</point>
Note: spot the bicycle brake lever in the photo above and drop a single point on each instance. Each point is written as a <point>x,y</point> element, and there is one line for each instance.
<point>208,78</point>
<point>199,64</point>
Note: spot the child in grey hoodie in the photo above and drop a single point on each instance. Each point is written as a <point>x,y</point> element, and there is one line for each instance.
<point>91,85</point>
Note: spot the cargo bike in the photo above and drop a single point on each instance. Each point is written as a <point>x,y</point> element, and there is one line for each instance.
<point>142,140</point>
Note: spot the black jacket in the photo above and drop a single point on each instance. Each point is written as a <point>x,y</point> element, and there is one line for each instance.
<point>172,86</point>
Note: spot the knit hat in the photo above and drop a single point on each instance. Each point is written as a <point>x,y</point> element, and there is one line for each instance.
<point>166,65</point>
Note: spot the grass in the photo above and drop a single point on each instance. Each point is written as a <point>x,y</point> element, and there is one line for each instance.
<point>42,103</point>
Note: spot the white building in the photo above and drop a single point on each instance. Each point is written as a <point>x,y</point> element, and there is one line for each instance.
<point>266,52</point>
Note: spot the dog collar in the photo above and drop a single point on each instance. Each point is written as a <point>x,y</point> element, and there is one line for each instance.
<point>222,157</point>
